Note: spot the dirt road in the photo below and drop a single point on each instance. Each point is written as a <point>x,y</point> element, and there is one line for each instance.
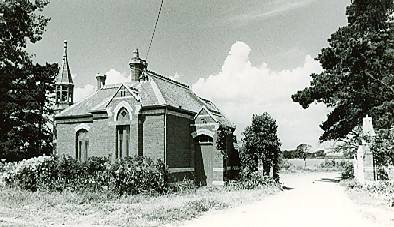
<point>311,200</point>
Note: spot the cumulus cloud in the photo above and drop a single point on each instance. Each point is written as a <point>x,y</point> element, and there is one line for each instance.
<point>242,89</point>
<point>82,92</point>
<point>113,77</point>
<point>116,77</point>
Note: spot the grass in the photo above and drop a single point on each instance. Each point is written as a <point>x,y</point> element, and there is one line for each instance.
<point>374,204</point>
<point>24,208</point>
<point>311,165</point>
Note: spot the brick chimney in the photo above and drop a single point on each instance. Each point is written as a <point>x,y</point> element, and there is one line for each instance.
<point>100,80</point>
<point>137,67</point>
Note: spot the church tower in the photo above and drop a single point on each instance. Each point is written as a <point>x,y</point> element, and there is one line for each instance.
<point>64,85</point>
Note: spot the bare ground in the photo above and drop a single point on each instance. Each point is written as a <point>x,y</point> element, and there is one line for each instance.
<point>311,200</point>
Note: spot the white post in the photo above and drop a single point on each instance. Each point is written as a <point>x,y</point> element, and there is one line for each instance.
<point>360,165</point>
<point>364,170</point>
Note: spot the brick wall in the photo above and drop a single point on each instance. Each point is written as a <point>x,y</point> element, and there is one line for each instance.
<point>66,139</point>
<point>153,136</point>
<point>102,138</point>
<point>179,142</point>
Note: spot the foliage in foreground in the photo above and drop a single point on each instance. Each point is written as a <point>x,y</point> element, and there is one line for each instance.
<point>83,208</point>
<point>132,175</point>
<point>253,180</point>
<point>381,188</point>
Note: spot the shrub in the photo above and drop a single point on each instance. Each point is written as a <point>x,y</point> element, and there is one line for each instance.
<point>252,180</point>
<point>184,185</point>
<point>132,175</point>
<point>382,188</point>
<point>138,175</point>
<point>347,171</point>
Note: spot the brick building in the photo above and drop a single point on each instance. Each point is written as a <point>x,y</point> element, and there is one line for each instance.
<point>151,115</point>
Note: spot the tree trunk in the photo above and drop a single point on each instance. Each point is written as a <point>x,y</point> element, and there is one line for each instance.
<point>276,167</point>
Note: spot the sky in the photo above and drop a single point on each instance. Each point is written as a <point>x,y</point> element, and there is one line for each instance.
<point>248,57</point>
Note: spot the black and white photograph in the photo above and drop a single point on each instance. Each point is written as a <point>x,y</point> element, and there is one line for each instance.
<point>197,113</point>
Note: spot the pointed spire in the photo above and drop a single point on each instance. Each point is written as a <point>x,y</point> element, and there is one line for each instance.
<point>64,76</point>
<point>65,49</point>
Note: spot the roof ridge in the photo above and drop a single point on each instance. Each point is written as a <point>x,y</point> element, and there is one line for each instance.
<point>157,92</point>
<point>168,79</point>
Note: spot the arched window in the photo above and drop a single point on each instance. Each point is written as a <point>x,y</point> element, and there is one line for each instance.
<point>82,145</point>
<point>122,134</point>
<point>123,115</point>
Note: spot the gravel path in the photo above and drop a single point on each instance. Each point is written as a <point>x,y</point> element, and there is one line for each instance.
<point>310,200</point>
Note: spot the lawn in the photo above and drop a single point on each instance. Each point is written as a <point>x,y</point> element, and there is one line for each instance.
<point>23,208</point>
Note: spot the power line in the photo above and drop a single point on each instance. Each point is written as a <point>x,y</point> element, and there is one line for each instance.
<point>154,30</point>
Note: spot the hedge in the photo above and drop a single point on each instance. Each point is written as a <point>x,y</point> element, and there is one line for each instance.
<point>132,175</point>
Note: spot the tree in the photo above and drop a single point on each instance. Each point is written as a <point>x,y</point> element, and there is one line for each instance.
<point>304,149</point>
<point>383,147</point>
<point>358,71</point>
<point>261,142</point>
<point>24,86</point>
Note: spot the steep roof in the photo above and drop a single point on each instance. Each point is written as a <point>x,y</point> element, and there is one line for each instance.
<point>156,91</point>
<point>64,76</point>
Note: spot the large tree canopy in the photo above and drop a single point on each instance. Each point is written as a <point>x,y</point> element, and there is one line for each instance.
<point>24,86</point>
<point>358,71</point>
<point>261,142</point>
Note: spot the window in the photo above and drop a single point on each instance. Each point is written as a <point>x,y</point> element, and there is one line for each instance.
<point>64,97</point>
<point>82,145</point>
<point>204,139</point>
<point>123,134</point>
<point>123,91</point>
<point>123,141</point>
<point>123,115</point>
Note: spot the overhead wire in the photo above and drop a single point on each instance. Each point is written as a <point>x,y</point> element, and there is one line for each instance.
<point>154,30</point>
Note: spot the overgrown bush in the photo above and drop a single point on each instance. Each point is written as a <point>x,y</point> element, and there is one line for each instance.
<point>347,171</point>
<point>252,180</point>
<point>381,188</point>
<point>132,175</point>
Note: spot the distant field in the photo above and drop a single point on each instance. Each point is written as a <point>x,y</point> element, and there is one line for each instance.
<point>312,164</point>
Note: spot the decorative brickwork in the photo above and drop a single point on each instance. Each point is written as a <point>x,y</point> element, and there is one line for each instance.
<point>152,116</point>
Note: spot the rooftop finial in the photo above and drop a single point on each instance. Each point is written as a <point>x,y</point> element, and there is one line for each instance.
<point>65,48</point>
<point>136,55</point>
